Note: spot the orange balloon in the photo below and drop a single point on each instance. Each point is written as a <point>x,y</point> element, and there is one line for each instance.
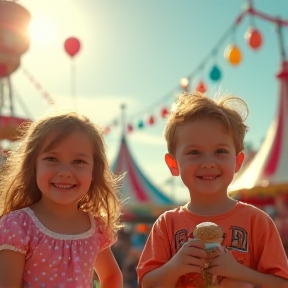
<point>151,120</point>
<point>233,54</point>
<point>253,38</point>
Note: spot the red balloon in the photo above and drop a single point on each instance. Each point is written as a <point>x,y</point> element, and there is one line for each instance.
<point>130,128</point>
<point>164,112</point>
<point>72,46</point>
<point>253,38</point>
<point>201,87</point>
<point>151,120</point>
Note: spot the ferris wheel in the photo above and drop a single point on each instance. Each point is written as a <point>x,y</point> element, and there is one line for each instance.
<point>14,41</point>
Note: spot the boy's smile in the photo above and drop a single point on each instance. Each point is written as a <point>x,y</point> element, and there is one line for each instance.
<point>208,177</point>
<point>205,157</point>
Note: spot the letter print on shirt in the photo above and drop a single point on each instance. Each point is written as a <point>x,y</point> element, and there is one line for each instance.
<point>181,237</point>
<point>238,239</point>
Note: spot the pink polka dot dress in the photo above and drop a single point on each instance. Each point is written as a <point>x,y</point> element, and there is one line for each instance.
<point>53,259</point>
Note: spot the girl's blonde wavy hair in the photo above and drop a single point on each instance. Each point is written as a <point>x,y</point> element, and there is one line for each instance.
<point>18,188</point>
<point>230,111</point>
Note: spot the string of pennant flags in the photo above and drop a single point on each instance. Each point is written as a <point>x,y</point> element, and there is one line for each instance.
<point>232,54</point>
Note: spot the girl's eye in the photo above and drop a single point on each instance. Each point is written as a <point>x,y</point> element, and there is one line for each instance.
<point>222,151</point>
<point>50,159</point>
<point>194,152</point>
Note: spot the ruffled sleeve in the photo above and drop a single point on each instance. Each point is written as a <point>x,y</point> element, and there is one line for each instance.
<point>13,232</point>
<point>106,237</point>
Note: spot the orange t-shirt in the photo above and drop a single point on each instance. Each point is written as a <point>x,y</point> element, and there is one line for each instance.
<point>249,233</point>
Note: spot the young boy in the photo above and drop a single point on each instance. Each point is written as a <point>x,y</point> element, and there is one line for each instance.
<point>205,143</point>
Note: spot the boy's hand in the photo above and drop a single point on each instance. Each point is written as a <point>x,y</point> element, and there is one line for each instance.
<point>228,283</point>
<point>222,263</point>
<point>191,257</point>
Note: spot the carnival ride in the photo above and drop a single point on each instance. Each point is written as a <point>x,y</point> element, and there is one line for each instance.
<point>14,41</point>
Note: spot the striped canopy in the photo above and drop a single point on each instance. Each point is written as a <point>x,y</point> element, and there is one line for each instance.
<point>136,186</point>
<point>143,201</point>
<point>267,173</point>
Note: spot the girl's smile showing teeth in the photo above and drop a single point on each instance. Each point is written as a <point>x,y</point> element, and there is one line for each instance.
<point>63,186</point>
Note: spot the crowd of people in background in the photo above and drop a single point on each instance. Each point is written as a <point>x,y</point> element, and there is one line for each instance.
<point>127,250</point>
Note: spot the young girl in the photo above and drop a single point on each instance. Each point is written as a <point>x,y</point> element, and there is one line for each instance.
<point>60,207</point>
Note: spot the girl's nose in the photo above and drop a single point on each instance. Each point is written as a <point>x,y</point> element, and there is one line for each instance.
<point>207,165</point>
<point>64,171</point>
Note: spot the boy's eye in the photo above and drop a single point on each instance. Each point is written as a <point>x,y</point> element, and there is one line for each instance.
<point>193,152</point>
<point>222,151</point>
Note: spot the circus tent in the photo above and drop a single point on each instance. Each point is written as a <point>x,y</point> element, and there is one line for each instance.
<point>264,183</point>
<point>267,173</point>
<point>144,202</point>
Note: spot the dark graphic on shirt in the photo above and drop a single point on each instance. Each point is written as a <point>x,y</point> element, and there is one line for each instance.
<point>238,239</point>
<point>181,237</point>
<point>195,280</point>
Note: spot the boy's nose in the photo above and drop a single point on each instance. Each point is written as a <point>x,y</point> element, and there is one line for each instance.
<point>207,165</point>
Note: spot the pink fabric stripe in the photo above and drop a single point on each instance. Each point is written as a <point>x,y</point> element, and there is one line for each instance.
<point>120,160</point>
<point>273,160</point>
<point>140,192</point>
<point>131,176</point>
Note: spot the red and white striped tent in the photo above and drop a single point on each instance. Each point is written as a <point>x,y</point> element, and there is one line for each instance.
<point>264,183</point>
<point>144,200</point>
<point>267,173</point>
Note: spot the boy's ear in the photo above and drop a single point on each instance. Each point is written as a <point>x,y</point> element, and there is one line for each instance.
<point>172,164</point>
<point>239,160</point>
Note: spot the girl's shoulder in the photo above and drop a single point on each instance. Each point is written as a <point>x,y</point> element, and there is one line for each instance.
<point>16,217</point>
<point>16,229</point>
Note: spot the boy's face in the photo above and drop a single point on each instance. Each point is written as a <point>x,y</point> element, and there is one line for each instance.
<point>205,157</point>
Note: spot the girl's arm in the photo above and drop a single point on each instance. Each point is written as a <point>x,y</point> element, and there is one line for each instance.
<point>108,270</point>
<point>11,269</point>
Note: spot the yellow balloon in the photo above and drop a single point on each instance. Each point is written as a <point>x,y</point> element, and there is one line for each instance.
<point>233,54</point>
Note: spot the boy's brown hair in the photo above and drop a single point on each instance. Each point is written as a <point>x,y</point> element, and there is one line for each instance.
<point>230,110</point>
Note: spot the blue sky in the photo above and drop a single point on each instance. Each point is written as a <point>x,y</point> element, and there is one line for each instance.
<point>136,52</point>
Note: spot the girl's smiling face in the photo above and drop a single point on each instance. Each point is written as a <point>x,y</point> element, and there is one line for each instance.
<point>64,171</point>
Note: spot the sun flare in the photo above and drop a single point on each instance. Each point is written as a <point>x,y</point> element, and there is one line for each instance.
<point>42,30</point>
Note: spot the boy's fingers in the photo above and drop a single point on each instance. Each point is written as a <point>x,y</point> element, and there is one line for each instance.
<point>213,254</point>
<point>196,252</point>
<point>194,242</point>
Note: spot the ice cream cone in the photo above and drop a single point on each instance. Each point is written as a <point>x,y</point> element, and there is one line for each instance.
<point>212,235</point>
